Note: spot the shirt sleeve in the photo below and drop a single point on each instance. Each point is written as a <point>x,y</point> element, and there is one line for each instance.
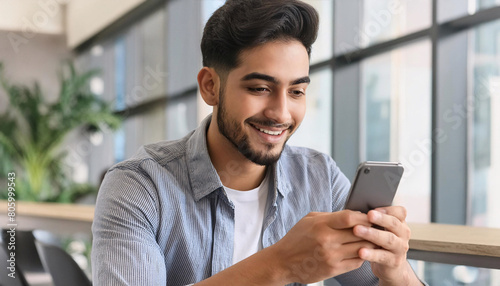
<point>340,188</point>
<point>125,251</point>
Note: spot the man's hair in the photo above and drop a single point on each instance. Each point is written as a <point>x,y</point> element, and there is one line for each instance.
<point>243,24</point>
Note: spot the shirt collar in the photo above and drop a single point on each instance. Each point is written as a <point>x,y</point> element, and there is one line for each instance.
<point>202,174</point>
<point>280,175</point>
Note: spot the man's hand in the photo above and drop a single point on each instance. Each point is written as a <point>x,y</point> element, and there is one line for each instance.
<point>388,261</point>
<point>322,245</point>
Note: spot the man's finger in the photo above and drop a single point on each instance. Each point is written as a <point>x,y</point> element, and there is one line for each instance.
<point>347,219</point>
<point>390,223</point>
<point>351,250</point>
<point>384,239</point>
<point>397,211</point>
<point>381,256</point>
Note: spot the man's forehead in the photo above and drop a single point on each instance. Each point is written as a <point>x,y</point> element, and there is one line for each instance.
<point>279,61</point>
<point>277,45</point>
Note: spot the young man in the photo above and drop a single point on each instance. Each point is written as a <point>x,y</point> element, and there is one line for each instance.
<point>231,203</point>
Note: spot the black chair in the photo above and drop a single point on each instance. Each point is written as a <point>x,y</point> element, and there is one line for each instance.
<point>59,263</point>
<point>5,280</point>
<point>26,254</point>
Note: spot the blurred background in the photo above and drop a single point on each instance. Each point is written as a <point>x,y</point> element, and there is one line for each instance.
<point>414,81</point>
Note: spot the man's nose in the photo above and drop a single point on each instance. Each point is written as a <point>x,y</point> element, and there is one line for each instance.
<point>278,107</point>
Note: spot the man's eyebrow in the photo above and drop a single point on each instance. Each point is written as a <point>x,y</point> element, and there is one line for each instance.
<point>256,75</point>
<point>272,79</point>
<point>305,79</point>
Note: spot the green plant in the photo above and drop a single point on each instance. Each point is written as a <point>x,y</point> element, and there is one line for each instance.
<point>32,131</point>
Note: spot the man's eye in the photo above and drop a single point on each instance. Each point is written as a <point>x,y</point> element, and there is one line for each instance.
<point>258,89</point>
<point>298,93</point>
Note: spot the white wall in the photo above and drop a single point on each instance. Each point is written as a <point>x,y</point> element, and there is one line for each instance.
<point>86,18</point>
<point>79,19</point>
<point>38,58</point>
<point>31,16</point>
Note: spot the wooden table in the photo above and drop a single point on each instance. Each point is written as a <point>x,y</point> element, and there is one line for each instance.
<point>63,219</point>
<point>455,244</point>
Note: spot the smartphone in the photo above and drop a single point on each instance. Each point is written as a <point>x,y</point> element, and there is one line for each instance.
<point>374,186</point>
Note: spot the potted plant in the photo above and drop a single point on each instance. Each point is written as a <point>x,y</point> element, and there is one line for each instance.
<point>32,131</point>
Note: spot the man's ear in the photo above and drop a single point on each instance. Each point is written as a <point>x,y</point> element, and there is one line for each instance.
<point>209,84</point>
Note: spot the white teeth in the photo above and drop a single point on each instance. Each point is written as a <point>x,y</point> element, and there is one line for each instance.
<point>271,132</point>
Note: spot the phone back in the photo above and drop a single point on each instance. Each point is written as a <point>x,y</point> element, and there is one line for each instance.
<point>374,186</point>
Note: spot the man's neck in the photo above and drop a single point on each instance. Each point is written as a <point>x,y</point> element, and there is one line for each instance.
<point>234,169</point>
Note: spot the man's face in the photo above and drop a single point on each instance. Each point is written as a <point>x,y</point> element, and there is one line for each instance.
<point>263,101</point>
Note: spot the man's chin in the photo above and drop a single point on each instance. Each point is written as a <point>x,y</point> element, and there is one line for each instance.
<point>265,157</point>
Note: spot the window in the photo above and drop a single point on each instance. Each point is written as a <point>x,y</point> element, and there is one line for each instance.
<point>484,4</point>
<point>152,45</point>
<point>363,23</point>
<point>485,108</point>
<point>316,128</point>
<point>181,116</point>
<point>321,49</point>
<point>120,73</point>
<point>387,19</point>
<point>396,120</point>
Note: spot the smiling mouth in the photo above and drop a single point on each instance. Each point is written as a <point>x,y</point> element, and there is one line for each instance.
<point>270,132</point>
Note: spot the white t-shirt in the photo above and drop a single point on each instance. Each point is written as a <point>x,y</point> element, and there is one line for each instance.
<point>249,207</point>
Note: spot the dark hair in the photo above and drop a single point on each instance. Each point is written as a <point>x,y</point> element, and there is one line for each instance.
<point>244,24</point>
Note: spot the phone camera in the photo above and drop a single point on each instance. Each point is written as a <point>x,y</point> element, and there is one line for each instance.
<point>367,170</point>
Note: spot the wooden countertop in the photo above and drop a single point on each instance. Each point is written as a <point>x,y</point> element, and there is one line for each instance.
<point>431,237</point>
<point>458,239</point>
<point>84,213</point>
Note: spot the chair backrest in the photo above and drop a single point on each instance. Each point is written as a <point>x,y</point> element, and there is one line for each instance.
<point>27,257</point>
<point>6,270</point>
<point>61,266</point>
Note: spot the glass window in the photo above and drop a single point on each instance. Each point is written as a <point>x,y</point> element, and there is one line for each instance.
<point>130,136</point>
<point>119,85</point>
<point>183,37</point>
<point>153,42</point>
<point>322,48</point>
<point>347,26</point>
<point>446,274</point>
<point>316,129</point>
<point>119,145</point>
<point>484,4</point>
<point>181,116</point>
<point>387,19</point>
<point>451,9</point>
<point>362,23</point>
<point>152,126</point>
<point>485,108</point>
<point>99,57</point>
<point>209,7</point>
<point>120,74</point>
<point>395,116</point>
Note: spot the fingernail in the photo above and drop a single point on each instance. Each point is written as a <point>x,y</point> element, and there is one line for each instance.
<point>382,211</point>
<point>376,215</point>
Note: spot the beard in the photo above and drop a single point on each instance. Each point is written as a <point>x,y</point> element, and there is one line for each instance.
<point>233,132</point>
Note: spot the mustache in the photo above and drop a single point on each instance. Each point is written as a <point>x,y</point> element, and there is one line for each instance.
<point>269,123</point>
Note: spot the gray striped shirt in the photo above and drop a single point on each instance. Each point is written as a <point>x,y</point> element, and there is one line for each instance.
<point>162,217</point>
